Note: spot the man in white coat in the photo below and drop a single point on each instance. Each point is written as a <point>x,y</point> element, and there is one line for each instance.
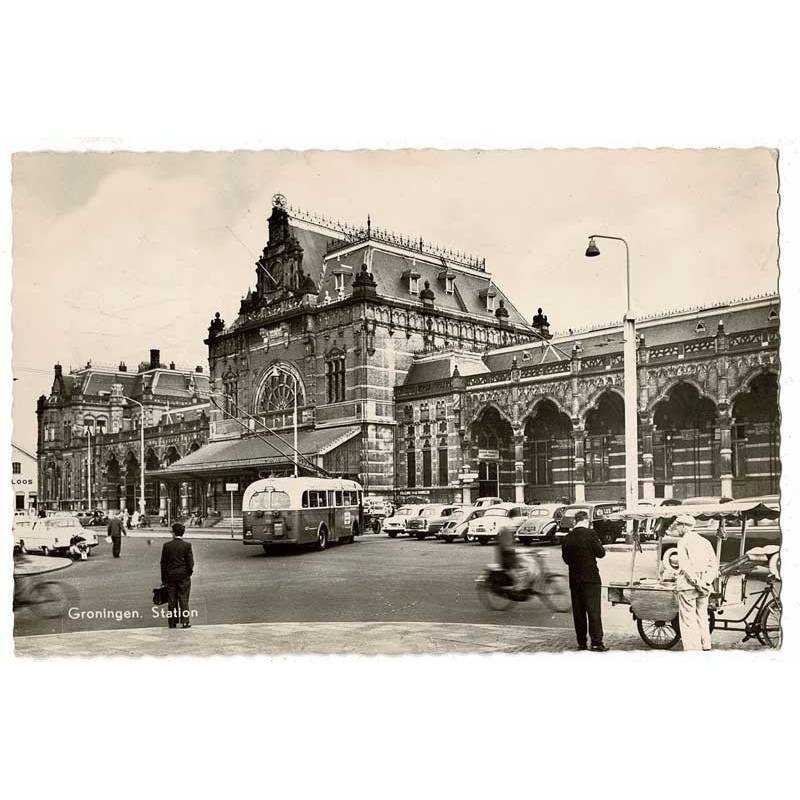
<point>697,569</point>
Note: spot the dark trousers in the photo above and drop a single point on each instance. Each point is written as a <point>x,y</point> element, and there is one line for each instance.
<point>116,545</point>
<point>178,593</point>
<point>586,605</point>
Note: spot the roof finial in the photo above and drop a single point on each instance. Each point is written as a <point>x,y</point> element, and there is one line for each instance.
<point>369,225</point>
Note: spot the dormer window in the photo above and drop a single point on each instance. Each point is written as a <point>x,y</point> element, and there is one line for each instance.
<point>488,294</point>
<point>700,327</point>
<point>773,314</point>
<point>338,284</point>
<point>450,284</point>
<point>412,276</point>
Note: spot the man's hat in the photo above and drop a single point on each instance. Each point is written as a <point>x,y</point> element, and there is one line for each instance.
<point>685,519</point>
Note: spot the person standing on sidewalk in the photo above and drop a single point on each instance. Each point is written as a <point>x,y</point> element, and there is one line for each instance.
<point>116,530</point>
<point>177,566</point>
<point>697,569</point>
<point>580,550</point>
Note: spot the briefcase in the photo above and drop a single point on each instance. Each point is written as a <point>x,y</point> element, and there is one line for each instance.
<point>160,595</point>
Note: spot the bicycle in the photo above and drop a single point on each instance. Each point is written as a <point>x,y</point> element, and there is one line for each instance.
<point>497,592</point>
<point>45,599</point>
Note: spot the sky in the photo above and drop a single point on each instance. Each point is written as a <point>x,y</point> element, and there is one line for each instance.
<point>114,254</point>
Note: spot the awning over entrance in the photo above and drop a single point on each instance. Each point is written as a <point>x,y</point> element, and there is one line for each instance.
<point>252,452</point>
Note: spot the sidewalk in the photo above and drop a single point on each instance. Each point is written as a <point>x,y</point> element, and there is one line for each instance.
<point>354,638</point>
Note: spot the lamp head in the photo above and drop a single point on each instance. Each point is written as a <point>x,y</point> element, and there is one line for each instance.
<point>592,250</point>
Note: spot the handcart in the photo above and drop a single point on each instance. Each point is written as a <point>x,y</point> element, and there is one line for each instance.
<point>654,602</point>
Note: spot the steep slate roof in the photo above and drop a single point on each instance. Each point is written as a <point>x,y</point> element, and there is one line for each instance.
<point>442,367</point>
<point>388,269</point>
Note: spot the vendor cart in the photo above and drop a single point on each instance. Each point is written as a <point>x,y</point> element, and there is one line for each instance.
<point>653,601</point>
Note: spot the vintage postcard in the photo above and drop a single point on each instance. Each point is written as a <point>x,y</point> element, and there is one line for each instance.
<point>392,402</point>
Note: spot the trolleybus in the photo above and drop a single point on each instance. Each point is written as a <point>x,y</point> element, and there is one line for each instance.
<point>301,511</point>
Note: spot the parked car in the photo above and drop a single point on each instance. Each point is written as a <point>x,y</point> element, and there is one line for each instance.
<point>607,530</point>
<point>429,520</point>
<point>397,522</point>
<point>457,526</point>
<point>501,516</point>
<point>485,502</point>
<point>52,535</point>
<point>541,523</point>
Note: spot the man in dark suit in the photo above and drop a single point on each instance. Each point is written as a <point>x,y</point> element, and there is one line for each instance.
<point>177,565</point>
<point>580,550</point>
<point>116,530</point>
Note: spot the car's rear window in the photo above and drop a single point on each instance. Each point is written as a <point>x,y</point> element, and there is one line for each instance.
<point>496,512</point>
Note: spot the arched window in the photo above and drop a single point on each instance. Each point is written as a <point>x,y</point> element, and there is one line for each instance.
<point>335,377</point>
<point>277,393</point>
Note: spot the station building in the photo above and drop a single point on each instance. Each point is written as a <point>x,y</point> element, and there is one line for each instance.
<point>411,371</point>
<point>95,412</point>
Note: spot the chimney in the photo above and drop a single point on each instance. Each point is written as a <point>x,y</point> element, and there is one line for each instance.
<point>155,358</point>
<point>122,367</point>
<point>172,365</point>
<point>57,369</point>
<point>198,368</point>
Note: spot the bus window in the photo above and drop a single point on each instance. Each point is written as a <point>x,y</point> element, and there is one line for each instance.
<point>305,500</point>
<point>339,498</point>
<point>280,501</point>
<point>259,501</point>
<point>331,502</point>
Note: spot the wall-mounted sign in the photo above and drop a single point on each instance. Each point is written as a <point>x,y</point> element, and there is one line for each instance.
<point>489,455</point>
<point>231,487</point>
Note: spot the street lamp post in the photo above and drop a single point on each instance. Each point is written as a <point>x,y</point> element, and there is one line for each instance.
<point>629,374</point>
<point>141,461</point>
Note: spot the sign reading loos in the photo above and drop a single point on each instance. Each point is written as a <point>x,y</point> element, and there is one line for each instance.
<point>231,487</point>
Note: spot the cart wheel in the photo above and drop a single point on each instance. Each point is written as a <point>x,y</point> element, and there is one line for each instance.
<point>769,623</point>
<point>659,635</point>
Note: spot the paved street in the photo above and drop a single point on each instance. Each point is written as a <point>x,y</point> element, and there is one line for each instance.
<point>376,580</point>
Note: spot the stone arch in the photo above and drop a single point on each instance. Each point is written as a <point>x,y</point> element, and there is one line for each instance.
<point>491,437</point>
<point>545,397</point>
<point>194,447</point>
<point>268,384</point>
<point>171,455</point>
<point>666,390</point>
<point>685,443</point>
<point>483,406</point>
<point>594,399</point>
<point>753,374</point>
<point>548,462</point>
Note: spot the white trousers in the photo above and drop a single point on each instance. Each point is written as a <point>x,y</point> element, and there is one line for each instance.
<point>693,616</point>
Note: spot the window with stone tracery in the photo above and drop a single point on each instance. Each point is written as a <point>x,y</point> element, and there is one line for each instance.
<point>278,392</point>
<point>335,377</point>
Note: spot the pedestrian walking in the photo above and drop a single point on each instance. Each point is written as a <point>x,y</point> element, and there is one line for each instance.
<point>697,569</point>
<point>177,566</point>
<point>116,530</point>
<point>580,550</point>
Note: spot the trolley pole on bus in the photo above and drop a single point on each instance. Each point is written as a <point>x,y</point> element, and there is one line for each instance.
<point>274,373</point>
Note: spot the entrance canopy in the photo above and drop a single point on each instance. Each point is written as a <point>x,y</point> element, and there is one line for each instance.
<point>252,452</point>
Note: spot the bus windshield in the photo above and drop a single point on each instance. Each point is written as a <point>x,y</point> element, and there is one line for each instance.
<point>263,501</point>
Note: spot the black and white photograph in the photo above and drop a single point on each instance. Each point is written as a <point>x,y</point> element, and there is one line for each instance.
<point>407,402</point>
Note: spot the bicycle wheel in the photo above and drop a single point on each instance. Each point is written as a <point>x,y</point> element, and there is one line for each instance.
<point>770,633</point>
<point>554,591</point>
<point>48,599</point>
<point>659,635</point>
<point>490,600</point>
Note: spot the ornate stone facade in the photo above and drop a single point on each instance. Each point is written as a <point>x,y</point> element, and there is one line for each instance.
<point>554,427</point>
<point>96,410</point>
